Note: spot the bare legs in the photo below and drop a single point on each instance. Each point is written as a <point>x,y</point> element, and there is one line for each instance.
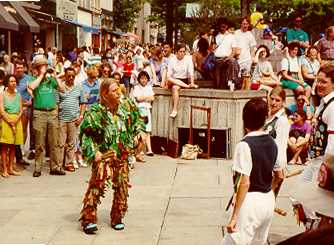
<point>8,160</point>
<point>148,143</point>
<point>175,97</point>
<point>177,85</point>
<point>296,150</point>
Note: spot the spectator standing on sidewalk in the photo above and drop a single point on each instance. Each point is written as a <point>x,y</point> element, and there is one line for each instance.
<point>11,125</point>
<point>22,87</point>
<point>69,120</point>
<point>144,96</point>
<point>45,120</point>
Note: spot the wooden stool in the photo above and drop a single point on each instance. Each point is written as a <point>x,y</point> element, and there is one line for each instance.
<point>208,136</point>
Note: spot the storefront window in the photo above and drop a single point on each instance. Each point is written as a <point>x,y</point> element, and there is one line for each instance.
<point>3,47</point>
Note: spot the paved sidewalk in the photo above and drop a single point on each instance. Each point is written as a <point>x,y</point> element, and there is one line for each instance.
<point>172,202</point>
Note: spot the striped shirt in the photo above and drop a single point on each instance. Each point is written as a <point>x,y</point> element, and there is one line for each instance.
<point>94,59</point>
<point>89,93</point>
<point>69,104</point>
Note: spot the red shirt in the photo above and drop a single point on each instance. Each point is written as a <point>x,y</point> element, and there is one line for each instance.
<point>127,69</point>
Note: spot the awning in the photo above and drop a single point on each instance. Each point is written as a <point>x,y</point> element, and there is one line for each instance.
<point>118,33</point>
<point>29,21</point>
<point>44,17</point>
<point>7,21</point>
<point>131,36</point>
<point>21,16</point>
<point>84,27</point>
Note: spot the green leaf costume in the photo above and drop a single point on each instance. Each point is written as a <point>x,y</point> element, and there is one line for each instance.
<point>112,135</point>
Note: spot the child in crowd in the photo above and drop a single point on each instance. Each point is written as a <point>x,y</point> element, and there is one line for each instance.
<point>119,63</point>
<point>128,67</point>
<point>299,135</point>
<point>264,77</point>
<point>144,96</point>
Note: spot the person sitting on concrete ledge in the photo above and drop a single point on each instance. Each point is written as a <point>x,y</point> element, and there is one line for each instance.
<point>180,74</point>
<point>291,72</point>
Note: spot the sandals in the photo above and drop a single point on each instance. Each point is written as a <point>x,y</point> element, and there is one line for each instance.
<point>140,159</point>
<point>90,228</point>
<point>150,154</point>
<point>193,86</point>
<point>118,227</point>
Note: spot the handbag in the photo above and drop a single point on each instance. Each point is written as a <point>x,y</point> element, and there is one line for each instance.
<point>190,152</point>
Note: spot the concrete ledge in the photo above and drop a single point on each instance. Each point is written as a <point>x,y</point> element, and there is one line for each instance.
<point>226,110</point>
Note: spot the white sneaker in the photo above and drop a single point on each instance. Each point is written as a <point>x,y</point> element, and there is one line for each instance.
<point>131,161</point>
<point>75,164</point>
<point>83,164</point>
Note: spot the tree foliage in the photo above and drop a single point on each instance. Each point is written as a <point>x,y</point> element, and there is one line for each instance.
<point>317,14</point>
<point>125,13</point>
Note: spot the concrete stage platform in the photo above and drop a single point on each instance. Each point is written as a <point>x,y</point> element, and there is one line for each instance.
<point>226,112</point>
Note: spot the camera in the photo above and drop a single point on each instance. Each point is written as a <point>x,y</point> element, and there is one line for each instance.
<point>50,70</point>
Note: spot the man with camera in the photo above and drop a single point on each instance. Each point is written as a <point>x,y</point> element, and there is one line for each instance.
<point>45,118</point>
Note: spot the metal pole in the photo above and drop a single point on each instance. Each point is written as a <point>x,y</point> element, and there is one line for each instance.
<point>57,35</point>
<point>9,42</point>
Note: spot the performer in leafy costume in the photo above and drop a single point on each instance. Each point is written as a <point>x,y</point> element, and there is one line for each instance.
<point>107,137</point>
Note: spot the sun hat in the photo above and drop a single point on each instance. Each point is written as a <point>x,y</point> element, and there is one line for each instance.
<point>40,60</point>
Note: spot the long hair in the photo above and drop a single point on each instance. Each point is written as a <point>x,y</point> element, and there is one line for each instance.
<point>203,46</point>
<point>104,88</point>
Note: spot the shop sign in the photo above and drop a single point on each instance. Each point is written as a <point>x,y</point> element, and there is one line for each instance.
<point>96,21</point>
<point>67,10</point>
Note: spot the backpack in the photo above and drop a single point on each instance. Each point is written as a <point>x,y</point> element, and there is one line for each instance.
<point>209,62</point>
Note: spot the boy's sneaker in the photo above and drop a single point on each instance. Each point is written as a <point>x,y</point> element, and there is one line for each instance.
<point>75,164</point>
<point>82,163</point>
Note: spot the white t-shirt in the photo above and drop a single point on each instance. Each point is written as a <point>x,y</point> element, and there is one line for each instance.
<point>139,90</point>
<point>227,42</point>
<point>311,66</point>
<point>290,64</point>
<point>282,128</point>
<point>262,66</point>
<point>181,69</point>
<point>195,45</point>
<point>245,41</point>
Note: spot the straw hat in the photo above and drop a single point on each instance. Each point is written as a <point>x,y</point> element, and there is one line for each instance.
<point>40,60</point>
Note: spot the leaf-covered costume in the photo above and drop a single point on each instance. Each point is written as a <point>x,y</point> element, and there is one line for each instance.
<point>112,135</point>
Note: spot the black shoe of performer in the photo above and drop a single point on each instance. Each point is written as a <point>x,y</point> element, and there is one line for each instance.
<point>90,228</point>
<point>118,227</point>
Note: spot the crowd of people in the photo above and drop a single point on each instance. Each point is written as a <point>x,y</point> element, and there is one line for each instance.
<point>48,96</point>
